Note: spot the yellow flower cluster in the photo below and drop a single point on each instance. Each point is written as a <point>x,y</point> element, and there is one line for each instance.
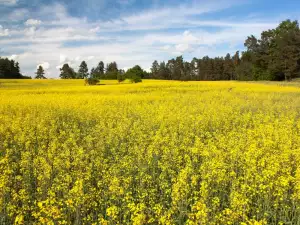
<point>158,152</point>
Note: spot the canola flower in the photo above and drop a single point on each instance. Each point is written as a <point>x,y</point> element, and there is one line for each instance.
<point>159,152</point>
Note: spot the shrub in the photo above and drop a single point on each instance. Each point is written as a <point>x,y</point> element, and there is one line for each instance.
<point>91,81</point>
<point>120,77</point>
<point>135,79</point>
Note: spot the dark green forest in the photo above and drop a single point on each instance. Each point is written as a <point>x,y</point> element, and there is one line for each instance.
<point>9,69</point>
<point>274,56</point>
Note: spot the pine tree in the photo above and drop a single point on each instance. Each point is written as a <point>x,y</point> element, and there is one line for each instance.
<point>9,69</point>
<point>111,71</point>
<point>66,72</point>
<point>83,71</point>
<point>228,68</point>
<point>155,69</point>
<point>40,73</point>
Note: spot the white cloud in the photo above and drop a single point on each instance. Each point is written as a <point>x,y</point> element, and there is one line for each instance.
<point>77,58</point>
<point>3,32</point>
<point>166,47</point>
<point>13,57</point>
<point>30,31</point>
<point>45,65</point>
<point>163,17</point>
<point>59,67</point>
<point>8,2</point>
<point>95,30</point>
<point>155,38</point>
<point>63,58</point>
<point>33,22</point>
<point>148,69</point>
<point>90,58</point>
<point>182,48</point>
<point>188,37</point>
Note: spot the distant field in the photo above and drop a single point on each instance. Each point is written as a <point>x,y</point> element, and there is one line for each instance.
<point>157,152</point>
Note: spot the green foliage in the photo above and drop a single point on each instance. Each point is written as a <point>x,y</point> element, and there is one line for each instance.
<point>91,81</point>
<point>40,73</point>
<point>26,77</point>
<point>83,71</point>
<point>244,71</point>
<point>135,74</point>
<point>66,72</point>
<point>275,56</point>
<point>9,69</point>
<point>111,71</point>
<point>110,75</point>
<point>134,78</point>
<point>121,77</point>
<point>155,69</point>
<point>98,72</point>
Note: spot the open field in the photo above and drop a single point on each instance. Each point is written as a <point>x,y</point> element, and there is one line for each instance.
<point>157,152</point>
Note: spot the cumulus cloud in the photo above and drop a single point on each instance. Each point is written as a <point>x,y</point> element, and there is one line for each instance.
<point>166,47</point>
<point>148,69</point>
<point>95,30</point>
<point>158,35</point>
<point>77,58</point>
<point>73,62</point>
<point>182,48</point>
<point>33,22</point>
<point>188,37</point>
<point>3,32</point>
<point>63,58</point>
<point>13,57</point>
<point>90,58</point>
<point>59,67</point>
<point>30,31</point>
<point>45,65</point>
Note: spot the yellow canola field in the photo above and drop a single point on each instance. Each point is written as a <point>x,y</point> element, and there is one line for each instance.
<point>158,152</point>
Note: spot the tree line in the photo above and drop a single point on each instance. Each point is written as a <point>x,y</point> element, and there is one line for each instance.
<point>273,56</point>
<point>110,72</point>
<point>9,69</point>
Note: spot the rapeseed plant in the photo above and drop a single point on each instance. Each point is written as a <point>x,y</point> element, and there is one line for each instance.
<point>158,152</point>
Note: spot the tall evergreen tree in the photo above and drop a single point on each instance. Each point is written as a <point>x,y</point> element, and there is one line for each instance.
<point>83,71</point>
<point>111,71</point>
<point>155,69</point>
<point>66,72</point>
<point>100,68</point>
<point>98,72</point>
<point>228,68</point>
<point>285,50</point>
<point>40,73</point>
<point>9,69</point>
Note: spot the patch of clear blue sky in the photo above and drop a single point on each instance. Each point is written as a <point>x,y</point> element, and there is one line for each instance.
<point>265,8</point>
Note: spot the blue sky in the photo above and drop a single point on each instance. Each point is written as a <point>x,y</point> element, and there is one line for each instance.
<point>130,32</point>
